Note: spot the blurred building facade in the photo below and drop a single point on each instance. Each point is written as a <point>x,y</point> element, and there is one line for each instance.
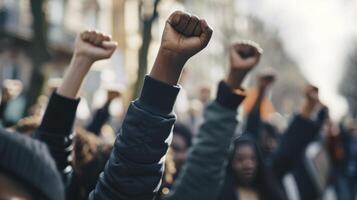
<point>121,18</point>
<point>230,26</point>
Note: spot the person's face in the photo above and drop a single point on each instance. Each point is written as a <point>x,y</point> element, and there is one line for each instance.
<point>10,189</point>
<point>245,164</point>
<point>179,149</point>
<point>267,142</point>
<point>205,94</point>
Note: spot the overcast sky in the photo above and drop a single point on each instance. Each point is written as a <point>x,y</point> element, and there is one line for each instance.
<point>317,34</point>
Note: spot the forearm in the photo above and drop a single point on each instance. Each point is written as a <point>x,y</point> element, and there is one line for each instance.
<point>74,76</point>
<point>161,72</point>
<point>254,117</point>
<point>205,167</point>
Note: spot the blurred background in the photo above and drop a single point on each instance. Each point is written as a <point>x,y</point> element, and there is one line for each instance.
<point>303,41</point>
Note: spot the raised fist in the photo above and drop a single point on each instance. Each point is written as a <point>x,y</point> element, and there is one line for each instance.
<point>244,55</point>
<point>94,46</point>
<point>312,107</point>
<point>185,35</point>
<point>266,78</point>
<point>312,94</point>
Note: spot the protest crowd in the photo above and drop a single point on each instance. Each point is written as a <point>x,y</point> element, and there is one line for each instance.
<point>157,151</point>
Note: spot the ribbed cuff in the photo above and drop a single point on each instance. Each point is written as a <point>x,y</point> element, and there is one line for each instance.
<point>157,96</point>
<point>60,115</point>
<point>227,97</point>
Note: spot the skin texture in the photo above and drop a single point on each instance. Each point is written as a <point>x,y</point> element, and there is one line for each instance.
<point>241,63</point>
<point>90,46</point>
<point>12,189</point>
<point>183,37</point>
<point>245,164</point>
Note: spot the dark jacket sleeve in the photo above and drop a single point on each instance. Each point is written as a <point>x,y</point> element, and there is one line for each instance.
<point>101,116</point>
<point>299,134</point>
<point>204,170</point>
<point>2,109</point>
<point>56,131</point>
<point>135,167</point>
<point>254,120</point>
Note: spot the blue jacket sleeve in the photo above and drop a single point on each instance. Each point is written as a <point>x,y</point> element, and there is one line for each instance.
<point>135,167</point>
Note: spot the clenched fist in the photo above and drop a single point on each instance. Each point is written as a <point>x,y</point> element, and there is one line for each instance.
<point>185,35</point>
<point>94,46</point>
<point>90,46</point>
<point>244,56</point>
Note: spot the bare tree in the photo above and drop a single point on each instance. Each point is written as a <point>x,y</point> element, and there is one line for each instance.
<point>148,15</point>
<point>39,51</point>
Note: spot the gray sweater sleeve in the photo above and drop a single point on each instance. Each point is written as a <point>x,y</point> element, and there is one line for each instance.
<point>204,170</point>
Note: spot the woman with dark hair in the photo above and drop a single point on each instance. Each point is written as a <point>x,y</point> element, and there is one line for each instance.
<point>249,177</point>
<point>247,174</point>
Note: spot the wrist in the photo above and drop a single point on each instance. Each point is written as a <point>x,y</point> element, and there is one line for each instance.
<point>81,61</point>
<point>168,67</point>
<point>74,76</point>
<point>235,79</point>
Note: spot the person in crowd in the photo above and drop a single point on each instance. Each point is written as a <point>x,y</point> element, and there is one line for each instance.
<point>177,155</point>
<point>181,142</point>
<point>102,115</point>
<point>346,184</point>
<point>12,102</point>
<point>315,111</point>
<point>268,139</point>
<point>27,170</point>
<point>204,170</point>
<point>90,153</point>
<point>254,118</point>
<point>264,133</point>
<point>250,177</point>
<point>205,94</point>
<point>134,169</point>
<point>136,156</point>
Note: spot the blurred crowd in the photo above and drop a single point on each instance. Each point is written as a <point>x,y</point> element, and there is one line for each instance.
<point>266,156</point>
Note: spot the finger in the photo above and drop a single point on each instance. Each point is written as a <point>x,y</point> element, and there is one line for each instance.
<point>84,35</point>
<point>198,30</point>
<point>102,53</point>
<point>174,18</point>
<point>206,34</point>
<point>109,44</point>
<point>248,49</point>
<point>92,37</point>
<point>98,39</point>
<point>191,26</point>
<point>184,20</point>
<point>106,37</point>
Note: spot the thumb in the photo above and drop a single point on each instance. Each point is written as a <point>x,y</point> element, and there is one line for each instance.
<point>206,34</point>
